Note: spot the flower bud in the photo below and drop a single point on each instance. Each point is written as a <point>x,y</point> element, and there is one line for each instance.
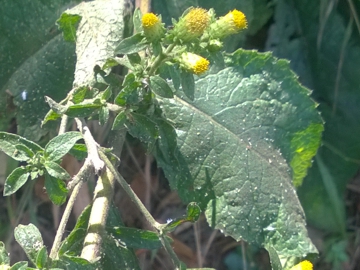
<point>194,63</point>
<point>192,25</point>
<point>153,28</point>
<point>231,23</point>
<point>304,265</point>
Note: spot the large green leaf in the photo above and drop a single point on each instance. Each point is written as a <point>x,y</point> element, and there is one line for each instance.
<point>98,33</point>
<point>35,62</point>
<point>325,52</point>
<point>250,130</point>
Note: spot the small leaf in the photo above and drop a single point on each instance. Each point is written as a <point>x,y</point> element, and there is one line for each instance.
<point>107,93</point>
<point>68,24</point>
<point>82,109</point>
<point>110,62</point>
<point>119,121</point>
<point>4,256</point>
<point>17,147</point>
<point>50,116</point>
<point>29,238</point>
<point>22,152</point>
<point>134,58</point>
<point>131,44</point>
<point>137,20</point>
<point>79,94</point>
<point>129,94</point>
<point>20,266</point>
<point>79,151</point>
<point>135,238</point>
<point>15,180</point>
<point>42,257</point>
<point>274,259</point>
<point>117,256</point>
<point>103,115</point>
<point>187,84</point>
<point>160,87</point>
<point>56,189</point>
<point>142,127</point>
<point>55,170</point>
<point>57,147</point>
<point>73,243</point>
<point>78,263</point>
<point>175,76</point>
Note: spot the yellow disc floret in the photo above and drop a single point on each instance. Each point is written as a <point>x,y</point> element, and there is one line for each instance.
<point>304,265</point>
<point>238,19</point>
<point>197,20</point>
<point>194,63</point>
<point>149,20</point>
<point>192,25</point>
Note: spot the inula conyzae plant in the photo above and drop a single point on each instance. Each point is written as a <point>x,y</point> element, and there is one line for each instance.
<point>234,133</point>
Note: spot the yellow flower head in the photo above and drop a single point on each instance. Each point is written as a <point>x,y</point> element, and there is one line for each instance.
<point>304,265</point>
<point>194,63</point>
<point>192,25</point>
<point>152,26</point>
<point>231,23</point>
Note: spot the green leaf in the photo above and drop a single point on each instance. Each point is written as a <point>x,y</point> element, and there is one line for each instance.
<point>135,238</point>
<point>78,263</point>
<point>18,147</point>
<point>4,256</point>
<point>187,84</point>
<point>142,127</point>
<point>99,31</point>
<point>55,170</point>
<point>29,238</point>
<point>43,65</point>
<point>50,116</point>
<point>129,94</point>
<point>117,255</point>
<point>79,151</point>
<point>103,115</point>
<point>119,121</point>
<point>175,76</point>
<point>274,259</point>
<point>42,257</point>
<point>73,243</point>
<point>132,44</point>
<point>20,266</point>
<point>68,24</point>
<point>137,20</point>
<point>160,87</point>
<point>84,109</point>
<point>60,145</point>
<point>238,138</point>
<point>80,94</point>
<point>15,180</point>
<point>56,189</point>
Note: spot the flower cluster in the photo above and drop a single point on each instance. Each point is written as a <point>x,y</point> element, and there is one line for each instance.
<point>196,25</point>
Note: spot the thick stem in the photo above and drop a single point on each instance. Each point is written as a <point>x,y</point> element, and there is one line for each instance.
<point>102,200</point>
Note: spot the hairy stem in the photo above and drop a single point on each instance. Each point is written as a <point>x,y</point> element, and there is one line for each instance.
<point>102,200</point>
